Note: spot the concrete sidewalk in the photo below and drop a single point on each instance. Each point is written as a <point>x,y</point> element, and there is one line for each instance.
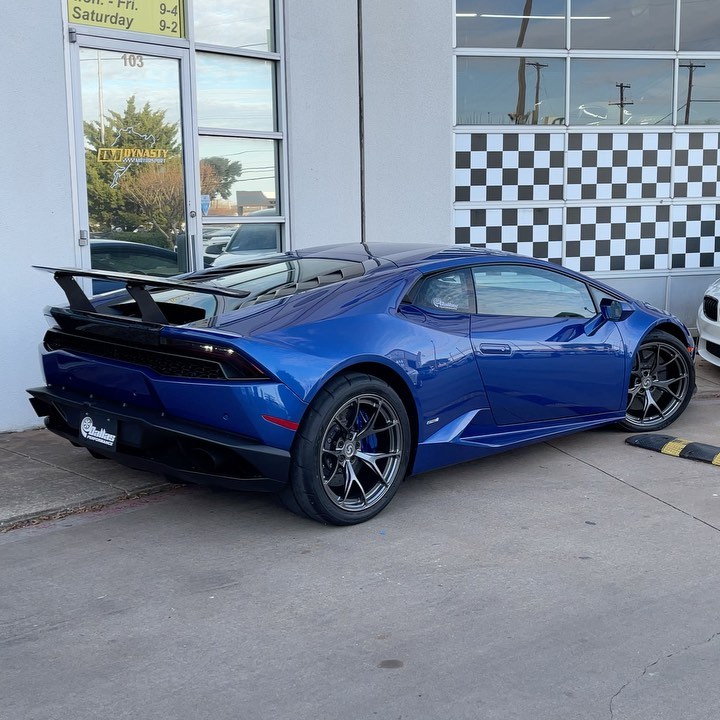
<point>43,476</point>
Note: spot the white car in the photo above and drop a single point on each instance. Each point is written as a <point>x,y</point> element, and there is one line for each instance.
<point>709,325</point>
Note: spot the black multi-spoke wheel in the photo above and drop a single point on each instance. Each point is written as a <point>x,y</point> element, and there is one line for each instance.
<point>662,381</point>
<point>351,451</point>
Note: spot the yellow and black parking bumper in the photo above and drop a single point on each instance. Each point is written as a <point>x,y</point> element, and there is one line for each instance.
<point>677,447</point>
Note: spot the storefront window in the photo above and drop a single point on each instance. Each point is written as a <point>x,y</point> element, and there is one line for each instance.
<point>240,175</point>
<point>627,25</point>
<point>510,91</point>
<point>245,24</point>
<point>620,92</point>
<point>511,23</point>
<point>235,92</point>
<point>135,176</point>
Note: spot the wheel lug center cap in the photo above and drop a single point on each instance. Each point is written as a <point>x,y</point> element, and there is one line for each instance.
<point>647,382</point>
<point>348,449</point>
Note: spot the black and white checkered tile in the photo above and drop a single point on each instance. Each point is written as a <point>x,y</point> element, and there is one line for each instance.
<point>536,232</point>
<point>695,239</point>
<point>497,172</point>
<point>617,238</point>
<point>697,174</point>
<point>509,167</point>
<point>607,166</point>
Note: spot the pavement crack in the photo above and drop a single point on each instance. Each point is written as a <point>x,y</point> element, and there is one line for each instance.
<point>655,662</point>
<point>635,487</point>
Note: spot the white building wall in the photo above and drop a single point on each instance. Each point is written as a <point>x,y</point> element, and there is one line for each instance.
<point>408,102</point>
<point>321,59</point>
<point>36,225</point>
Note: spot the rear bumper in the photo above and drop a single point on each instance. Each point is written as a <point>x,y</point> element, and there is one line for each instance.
<point>151,440</point>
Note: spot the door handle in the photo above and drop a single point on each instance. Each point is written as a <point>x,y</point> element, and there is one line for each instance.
<point>495,349</point>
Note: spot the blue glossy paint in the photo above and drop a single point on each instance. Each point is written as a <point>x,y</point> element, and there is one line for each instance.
<point>477,384</point>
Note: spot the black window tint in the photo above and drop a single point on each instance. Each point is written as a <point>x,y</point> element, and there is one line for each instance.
<point>530,292</point>
<point>269,281</point>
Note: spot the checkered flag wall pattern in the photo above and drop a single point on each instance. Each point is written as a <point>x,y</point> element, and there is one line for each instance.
<point>617,238</point>
<point>608,166</point>
<point>595,201</point>
<point>697,174</point>
<point>509,167</point>
<point>695,241</point>
<point>536,232</point>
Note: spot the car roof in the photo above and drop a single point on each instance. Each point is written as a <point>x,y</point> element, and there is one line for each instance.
<point>120,245</point>
<point>399,253</point>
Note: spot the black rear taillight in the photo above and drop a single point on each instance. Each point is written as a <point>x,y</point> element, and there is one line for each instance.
<point>226,356</point>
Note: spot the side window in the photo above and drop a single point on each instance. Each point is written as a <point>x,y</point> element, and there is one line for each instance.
<point>448,291</point>
<point>530,292</point>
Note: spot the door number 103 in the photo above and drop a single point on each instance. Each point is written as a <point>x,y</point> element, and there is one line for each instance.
<point>131,60</point>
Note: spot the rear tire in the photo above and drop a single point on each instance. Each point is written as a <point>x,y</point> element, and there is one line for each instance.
<point>351,451</point>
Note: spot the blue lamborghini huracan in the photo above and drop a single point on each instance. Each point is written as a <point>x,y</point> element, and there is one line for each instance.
<point>329,374</point>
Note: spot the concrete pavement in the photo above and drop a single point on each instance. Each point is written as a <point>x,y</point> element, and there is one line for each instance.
<point>43,476</point>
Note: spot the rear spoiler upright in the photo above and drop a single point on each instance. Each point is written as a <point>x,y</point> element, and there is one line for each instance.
<point>136,286</point>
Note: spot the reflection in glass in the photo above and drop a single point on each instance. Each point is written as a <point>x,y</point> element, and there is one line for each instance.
<point>215,238</point>
<point>234,92</point>
<point>699,92</point>
<point>241,175</point>
<point>511,23</point>
<point>133,148</point>
<point>620,92</point>
<point>622,25</point>
<point>246,24</point>
<point>510,91</point>
<point>699,25</point>
<point>257,238</point>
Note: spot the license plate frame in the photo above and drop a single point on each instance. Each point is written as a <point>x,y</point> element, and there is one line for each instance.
<point>99,431</point>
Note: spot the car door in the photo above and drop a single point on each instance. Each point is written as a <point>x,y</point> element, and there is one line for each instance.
<point>541,353</point>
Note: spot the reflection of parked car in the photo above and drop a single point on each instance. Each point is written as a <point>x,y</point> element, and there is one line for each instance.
<point>215,238</point>
<point>301,372</point>
<point>708,323</point>
<point>130,257</point>
<point>250,240</point>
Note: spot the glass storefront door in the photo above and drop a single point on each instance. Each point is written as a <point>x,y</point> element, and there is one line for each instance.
<point>135,158</point>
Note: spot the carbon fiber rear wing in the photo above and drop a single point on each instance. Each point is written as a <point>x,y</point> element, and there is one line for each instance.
<point>137,286</point>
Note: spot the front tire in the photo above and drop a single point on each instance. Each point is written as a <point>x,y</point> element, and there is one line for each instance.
<point>351,452</point>
<point>662,381</point>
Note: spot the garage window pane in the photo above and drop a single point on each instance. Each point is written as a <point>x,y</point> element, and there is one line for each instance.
<point>510,91</point>
<point>699,25</point>
<point>510,23</point>
<point>699,92</point>
<point>621,92</point>
<point>626,25</point>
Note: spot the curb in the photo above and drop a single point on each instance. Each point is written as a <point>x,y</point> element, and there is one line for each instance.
<point>91,504</point>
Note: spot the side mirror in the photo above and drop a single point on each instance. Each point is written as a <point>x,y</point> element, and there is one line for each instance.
<point>611,310</point>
